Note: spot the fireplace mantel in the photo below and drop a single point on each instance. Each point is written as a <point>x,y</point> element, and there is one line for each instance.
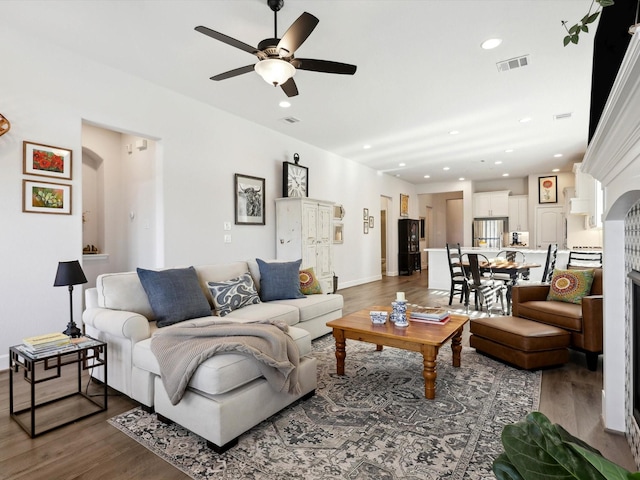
<point>615,145</point>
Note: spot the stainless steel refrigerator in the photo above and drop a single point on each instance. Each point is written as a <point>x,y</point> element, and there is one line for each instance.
<point>488,232</point>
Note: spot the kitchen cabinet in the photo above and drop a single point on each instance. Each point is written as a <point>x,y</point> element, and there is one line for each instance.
<point>304,230</point>
<point>408,246</point>
<point>588,198</point>
<point>519,213</point>
<point>491,204</point>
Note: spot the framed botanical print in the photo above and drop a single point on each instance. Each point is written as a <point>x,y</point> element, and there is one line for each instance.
<point>46,161</point>
<point>45,197</point>
<point>404,205</point>
<point>249,200</point>
<point>548,189</point>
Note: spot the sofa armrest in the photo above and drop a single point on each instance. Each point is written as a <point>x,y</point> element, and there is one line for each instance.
<point>527,293</point>
<point>592,322</point>
<point>118,323</point>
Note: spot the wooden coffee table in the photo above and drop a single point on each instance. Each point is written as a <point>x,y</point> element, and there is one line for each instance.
<point>417,337</point>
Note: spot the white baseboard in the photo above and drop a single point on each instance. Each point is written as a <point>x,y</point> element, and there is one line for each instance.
<point>360,281</point>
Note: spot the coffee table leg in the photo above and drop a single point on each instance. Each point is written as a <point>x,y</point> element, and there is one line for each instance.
<point>456,347</point>
<point>378,348</point>
<point>341,351</point>
<point>429,354</point>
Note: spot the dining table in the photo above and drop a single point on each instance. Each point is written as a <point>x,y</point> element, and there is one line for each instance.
<point>515,270</point>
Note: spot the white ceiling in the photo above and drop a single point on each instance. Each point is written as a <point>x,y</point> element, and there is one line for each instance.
<point>421,73</point>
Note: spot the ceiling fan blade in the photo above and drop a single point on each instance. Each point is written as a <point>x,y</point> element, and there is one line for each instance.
<point>227,39</point>
<point>325,66</point>
<point>297,34</point>
<point>289,87</point>
<point>233,73</point>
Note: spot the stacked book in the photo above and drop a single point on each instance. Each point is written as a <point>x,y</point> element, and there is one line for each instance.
<point>433,315</point>
<point>47,343</point>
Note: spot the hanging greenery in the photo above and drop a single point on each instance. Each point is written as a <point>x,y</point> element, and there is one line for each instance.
<point>574,32</point>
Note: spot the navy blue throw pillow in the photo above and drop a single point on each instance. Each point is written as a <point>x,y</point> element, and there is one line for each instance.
<point>279,280</point>
<point>175,295</point>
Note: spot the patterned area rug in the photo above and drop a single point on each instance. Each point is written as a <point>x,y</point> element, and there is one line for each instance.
<point>372,423</point>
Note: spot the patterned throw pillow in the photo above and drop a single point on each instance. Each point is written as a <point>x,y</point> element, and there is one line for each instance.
<point>309,284</point>
<point>570,285</point>
<point>233,294</point>
<point>175,295</point>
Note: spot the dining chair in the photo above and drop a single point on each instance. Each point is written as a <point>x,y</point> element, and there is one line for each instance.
<point>458,280</point>
<point>512,256</point>
<point>584,259</point>
<point>550,263</point>
<point>481,283</point>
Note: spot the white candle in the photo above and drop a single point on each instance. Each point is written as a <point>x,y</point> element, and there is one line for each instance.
<point>400,296</point>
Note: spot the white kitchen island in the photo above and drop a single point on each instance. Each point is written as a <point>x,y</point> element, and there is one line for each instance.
<point>440,279</point>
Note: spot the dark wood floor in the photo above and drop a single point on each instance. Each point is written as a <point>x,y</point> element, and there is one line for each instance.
<point>90,448</point>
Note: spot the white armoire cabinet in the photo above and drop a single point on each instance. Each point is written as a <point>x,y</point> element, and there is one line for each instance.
<point>304,230</point>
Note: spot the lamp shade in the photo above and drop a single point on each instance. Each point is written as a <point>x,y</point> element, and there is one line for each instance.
<point>69,273</point>
<point>275,71</point>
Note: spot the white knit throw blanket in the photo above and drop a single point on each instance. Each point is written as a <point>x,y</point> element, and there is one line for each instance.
<point>182,348</point>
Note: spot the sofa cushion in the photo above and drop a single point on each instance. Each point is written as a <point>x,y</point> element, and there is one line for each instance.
<point>570,285</point>
<point>220,373</point>
<point>279,280</point>
<point>561,314</point>
<point>267,311</point>
<point>175,294</point>
<point>233,294</point>
<point>314,305</point>
<point>219,273</point>
<point>123,291</point>
<point>309,284</point>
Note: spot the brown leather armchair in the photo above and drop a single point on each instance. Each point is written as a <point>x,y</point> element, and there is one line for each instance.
<point>584,321</point>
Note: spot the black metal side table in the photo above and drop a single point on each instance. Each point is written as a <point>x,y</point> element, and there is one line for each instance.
<point>59,405</point>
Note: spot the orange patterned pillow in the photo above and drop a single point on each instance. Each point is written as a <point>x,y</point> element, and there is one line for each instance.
<point>309,284</point>
<point>570,285</point>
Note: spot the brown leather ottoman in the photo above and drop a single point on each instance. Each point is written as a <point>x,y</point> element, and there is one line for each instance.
<point>521,342</point>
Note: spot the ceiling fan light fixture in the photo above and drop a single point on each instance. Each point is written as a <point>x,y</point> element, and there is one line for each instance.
<point>491,43</point>
<point>275,71</point>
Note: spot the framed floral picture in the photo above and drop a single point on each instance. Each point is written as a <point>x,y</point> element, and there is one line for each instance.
<point>249,200</point>
<point>45,197</point>
<point>404,205</point>
<point>46,160</point>
<point>548,189</point>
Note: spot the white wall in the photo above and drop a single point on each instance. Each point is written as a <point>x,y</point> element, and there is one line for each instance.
<point>49,96</point>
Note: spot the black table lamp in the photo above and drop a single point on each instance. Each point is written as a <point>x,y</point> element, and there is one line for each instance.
<point>70,273</point>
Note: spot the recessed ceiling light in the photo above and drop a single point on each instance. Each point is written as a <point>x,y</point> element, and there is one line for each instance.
<point>366,147</point>
<point>557,155</point>
<point>461,179</point>
<point>402,164</point>
<point>491,43</point>
<point>555,170</point>
<point>505,174</point>
<point>285,104</point>
<point>499,162</point>
<point>525,119</point>
<point>454,132</point>
<point>427,176</point>
<point>509,150</point>
<point>446,168</point>
<point>397,174</point>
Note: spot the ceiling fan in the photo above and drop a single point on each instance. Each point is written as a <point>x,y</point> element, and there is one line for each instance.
<point>277,64</point>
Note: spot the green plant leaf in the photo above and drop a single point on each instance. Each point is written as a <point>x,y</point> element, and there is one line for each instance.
<point>536,449</point>
<point>592,17</point>
<point>504,469</point>
<point>574,29</point>
<point>574,39</point>
<point>605,3</point>
<point>566,40</point>
<point>585,28</point>
<point>610,470</point>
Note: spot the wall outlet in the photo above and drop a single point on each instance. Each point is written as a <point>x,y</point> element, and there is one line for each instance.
<point>227,239</point>
<point>227,225</point>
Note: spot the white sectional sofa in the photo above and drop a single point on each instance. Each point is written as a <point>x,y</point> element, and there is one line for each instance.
<point>227,395</point>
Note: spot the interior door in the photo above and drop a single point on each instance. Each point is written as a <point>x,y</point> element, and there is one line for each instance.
<point>549,226</point>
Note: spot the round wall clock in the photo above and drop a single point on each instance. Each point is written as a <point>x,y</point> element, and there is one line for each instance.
<point>295,180</point>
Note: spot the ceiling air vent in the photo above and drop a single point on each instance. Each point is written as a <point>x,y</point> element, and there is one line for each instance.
<point>562,116</point>
<point>512,63</point>
<point>290,120</point>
